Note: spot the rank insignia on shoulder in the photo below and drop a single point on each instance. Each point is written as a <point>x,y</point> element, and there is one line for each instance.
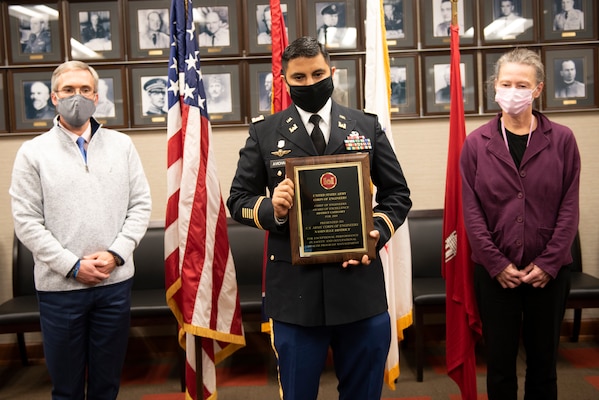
<point>258,119</point>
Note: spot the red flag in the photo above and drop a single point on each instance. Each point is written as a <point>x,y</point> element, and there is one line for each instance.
<point>280,97</point>
<point>201,287</point>
<point>280,101</point>
<point>463,326</point>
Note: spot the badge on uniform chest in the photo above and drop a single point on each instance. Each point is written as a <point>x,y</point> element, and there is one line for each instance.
<point>355,141</point>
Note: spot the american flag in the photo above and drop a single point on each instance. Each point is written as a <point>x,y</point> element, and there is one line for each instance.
<point>201,286</point>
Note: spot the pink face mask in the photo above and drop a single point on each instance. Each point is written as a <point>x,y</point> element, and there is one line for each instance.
<point>513,100</point>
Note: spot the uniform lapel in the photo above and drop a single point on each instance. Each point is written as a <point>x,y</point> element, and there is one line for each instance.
<point>341,126</point>
<point>295,132</point>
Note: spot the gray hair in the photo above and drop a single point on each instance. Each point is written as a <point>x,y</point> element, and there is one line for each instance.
<point>73,66</point>
<point>518,56</point>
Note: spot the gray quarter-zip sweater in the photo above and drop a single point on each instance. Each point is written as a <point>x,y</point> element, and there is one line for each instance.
<point>64,208</point>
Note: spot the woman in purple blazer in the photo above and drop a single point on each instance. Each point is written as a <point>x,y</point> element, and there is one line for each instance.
<point>520,187</point>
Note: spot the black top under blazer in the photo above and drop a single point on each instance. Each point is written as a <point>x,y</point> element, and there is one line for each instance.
<point>316,294</point>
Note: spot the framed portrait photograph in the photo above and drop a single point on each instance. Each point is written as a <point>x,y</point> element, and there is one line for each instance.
<point>436,25</point>
<point>405,99</point>
<point>346,81</point>
<point>149,29</point>
<point>148,99</point>
<point>259,40</point>
<point>217,26</point>
<point>570,78</point>
<point>31,107</point>
<point>333,23</point>
<point>35,32</point>
<point>223,93</point>
<point>95,31</point>
<point>3,124</point>
<point>261,82</point>
<point>111,109</point>
<point>436,77</point>
<point>569,20</point>
<point>399,23</point>
<point>508,21</point>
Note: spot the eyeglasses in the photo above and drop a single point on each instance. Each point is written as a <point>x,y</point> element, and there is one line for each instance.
<point>69,91</point>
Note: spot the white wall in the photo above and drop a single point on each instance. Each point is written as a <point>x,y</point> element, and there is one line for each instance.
<point>421,145</point>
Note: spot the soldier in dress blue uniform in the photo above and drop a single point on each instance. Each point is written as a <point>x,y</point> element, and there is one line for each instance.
<point>341,305</point>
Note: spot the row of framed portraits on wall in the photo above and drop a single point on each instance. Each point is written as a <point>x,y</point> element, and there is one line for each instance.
<point>123,30</point>
<point>135,96</point>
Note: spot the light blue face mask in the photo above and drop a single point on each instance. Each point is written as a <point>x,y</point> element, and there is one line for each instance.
<point>76,110</point>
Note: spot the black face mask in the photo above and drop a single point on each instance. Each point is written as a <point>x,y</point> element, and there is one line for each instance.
<point>312,98</point>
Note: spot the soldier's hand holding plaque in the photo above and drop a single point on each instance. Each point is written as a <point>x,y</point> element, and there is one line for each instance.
<point>331,217</point>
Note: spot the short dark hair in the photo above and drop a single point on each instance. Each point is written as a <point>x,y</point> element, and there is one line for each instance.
<point>304,46</point>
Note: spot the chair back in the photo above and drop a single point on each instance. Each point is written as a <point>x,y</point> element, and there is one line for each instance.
<point>22,270</point>
<point>576,254</point>
<point>426,232</point>
<point>245,241</point>
<point>149,257</point>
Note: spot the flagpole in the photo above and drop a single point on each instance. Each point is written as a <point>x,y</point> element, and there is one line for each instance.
<point>199,372</point>
<point>454,12</point>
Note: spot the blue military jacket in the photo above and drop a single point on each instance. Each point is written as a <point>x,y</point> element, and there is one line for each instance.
<point>317,294</point>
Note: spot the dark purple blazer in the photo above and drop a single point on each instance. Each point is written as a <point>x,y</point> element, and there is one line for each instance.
<point>521,215</point>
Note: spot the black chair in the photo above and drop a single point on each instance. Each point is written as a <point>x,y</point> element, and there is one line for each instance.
<point>428,285</point>
<point>20,314</point>
<point>148,295</point>
<point>584,290</point>
<point>247,247</point>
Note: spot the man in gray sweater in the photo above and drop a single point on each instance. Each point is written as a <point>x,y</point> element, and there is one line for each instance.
<point>81,203</point>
